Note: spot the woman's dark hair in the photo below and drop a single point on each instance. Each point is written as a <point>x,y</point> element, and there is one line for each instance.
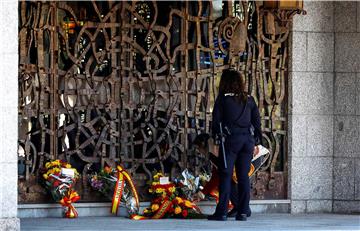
<point>231,82</point>
<point>201,140</point>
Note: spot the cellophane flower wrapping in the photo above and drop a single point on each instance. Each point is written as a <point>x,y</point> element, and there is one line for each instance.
<point>189,186</point>
<point>104,182</point>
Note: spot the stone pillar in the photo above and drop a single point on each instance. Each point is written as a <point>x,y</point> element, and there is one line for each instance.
<point>311,109</point>
<point>346,187</point>
<point>8,114</point>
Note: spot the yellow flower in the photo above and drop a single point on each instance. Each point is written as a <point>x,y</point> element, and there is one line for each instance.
<point>154,207</point>
<point>157,176</point>
<point>147,210</point>
<point>155,183</point>
<point>150,190</point>
<point>159,190</point>
<point>48,165</point>
<point>179,200</point>
<point>177,210</point>
<point>172,189</point>
<point>55,163</point>
<point>45,176</point>
<point>75,171</point>
<point>68,166</point>
<point>188,204</point>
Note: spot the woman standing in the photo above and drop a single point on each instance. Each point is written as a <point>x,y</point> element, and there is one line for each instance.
<point>240,117</point>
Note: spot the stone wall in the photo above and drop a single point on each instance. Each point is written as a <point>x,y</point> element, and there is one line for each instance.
<point>312,109</point>
<point>8,114</point>
<point>324,107</point>
<point>347,107</point>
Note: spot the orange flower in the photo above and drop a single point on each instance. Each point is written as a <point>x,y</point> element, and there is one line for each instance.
<point>107,169</point>
<point>177,210</point>
<point>154,207</point>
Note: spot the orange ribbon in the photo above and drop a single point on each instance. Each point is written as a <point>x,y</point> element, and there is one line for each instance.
<point>67,201</point>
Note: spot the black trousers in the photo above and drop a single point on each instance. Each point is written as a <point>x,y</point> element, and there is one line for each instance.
<point>234,199</point>
<point>239,149</point>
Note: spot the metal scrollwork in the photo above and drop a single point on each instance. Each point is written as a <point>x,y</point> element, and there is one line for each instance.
<point>134,82</point>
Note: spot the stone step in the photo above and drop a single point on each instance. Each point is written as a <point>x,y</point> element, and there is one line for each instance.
<point>103,209</point>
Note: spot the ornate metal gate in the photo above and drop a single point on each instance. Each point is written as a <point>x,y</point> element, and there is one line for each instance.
<point>134,82</point>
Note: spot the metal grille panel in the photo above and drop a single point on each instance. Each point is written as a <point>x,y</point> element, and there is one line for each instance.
<point>134,82</point>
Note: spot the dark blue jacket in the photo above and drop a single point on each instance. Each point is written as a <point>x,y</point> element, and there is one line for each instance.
<point>230,111</point>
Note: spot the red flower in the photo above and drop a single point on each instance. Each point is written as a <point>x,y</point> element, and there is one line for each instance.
<point>184,213</point>
<point>156,200</point>
<point>56,183</point>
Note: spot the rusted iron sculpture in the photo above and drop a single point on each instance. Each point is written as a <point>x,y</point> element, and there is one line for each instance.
<point>134,82</point>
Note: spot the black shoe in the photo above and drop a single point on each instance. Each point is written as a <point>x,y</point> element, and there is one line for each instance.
<point>241,217</point>
<point>232,213</point>
<point>216,218</point>
<point>248,214</point>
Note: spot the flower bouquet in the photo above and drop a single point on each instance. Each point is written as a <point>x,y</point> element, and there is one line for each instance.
<point>117,185</point>
<point>59,179</point>
<point>166,202</point>
<point>189,186</point>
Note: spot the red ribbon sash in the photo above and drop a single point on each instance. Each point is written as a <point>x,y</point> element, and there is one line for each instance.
<point>164,208</point>
<point>119,188</point>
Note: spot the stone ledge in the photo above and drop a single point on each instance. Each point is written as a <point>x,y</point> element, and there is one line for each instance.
<point>103,209</point>
<point>346,207</point>
<point>9,224</point>
<point>311,206</point>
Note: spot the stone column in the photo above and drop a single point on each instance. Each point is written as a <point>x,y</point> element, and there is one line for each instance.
<point>346,187</point>
<point>8,114</point>
<point>311,109</point>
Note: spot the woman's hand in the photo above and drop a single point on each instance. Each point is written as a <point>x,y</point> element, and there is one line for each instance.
<point>256,150</point>
<point>213,148</point>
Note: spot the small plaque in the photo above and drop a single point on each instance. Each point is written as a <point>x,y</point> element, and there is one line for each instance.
<point>69,172</point>
<point>164,180</point>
